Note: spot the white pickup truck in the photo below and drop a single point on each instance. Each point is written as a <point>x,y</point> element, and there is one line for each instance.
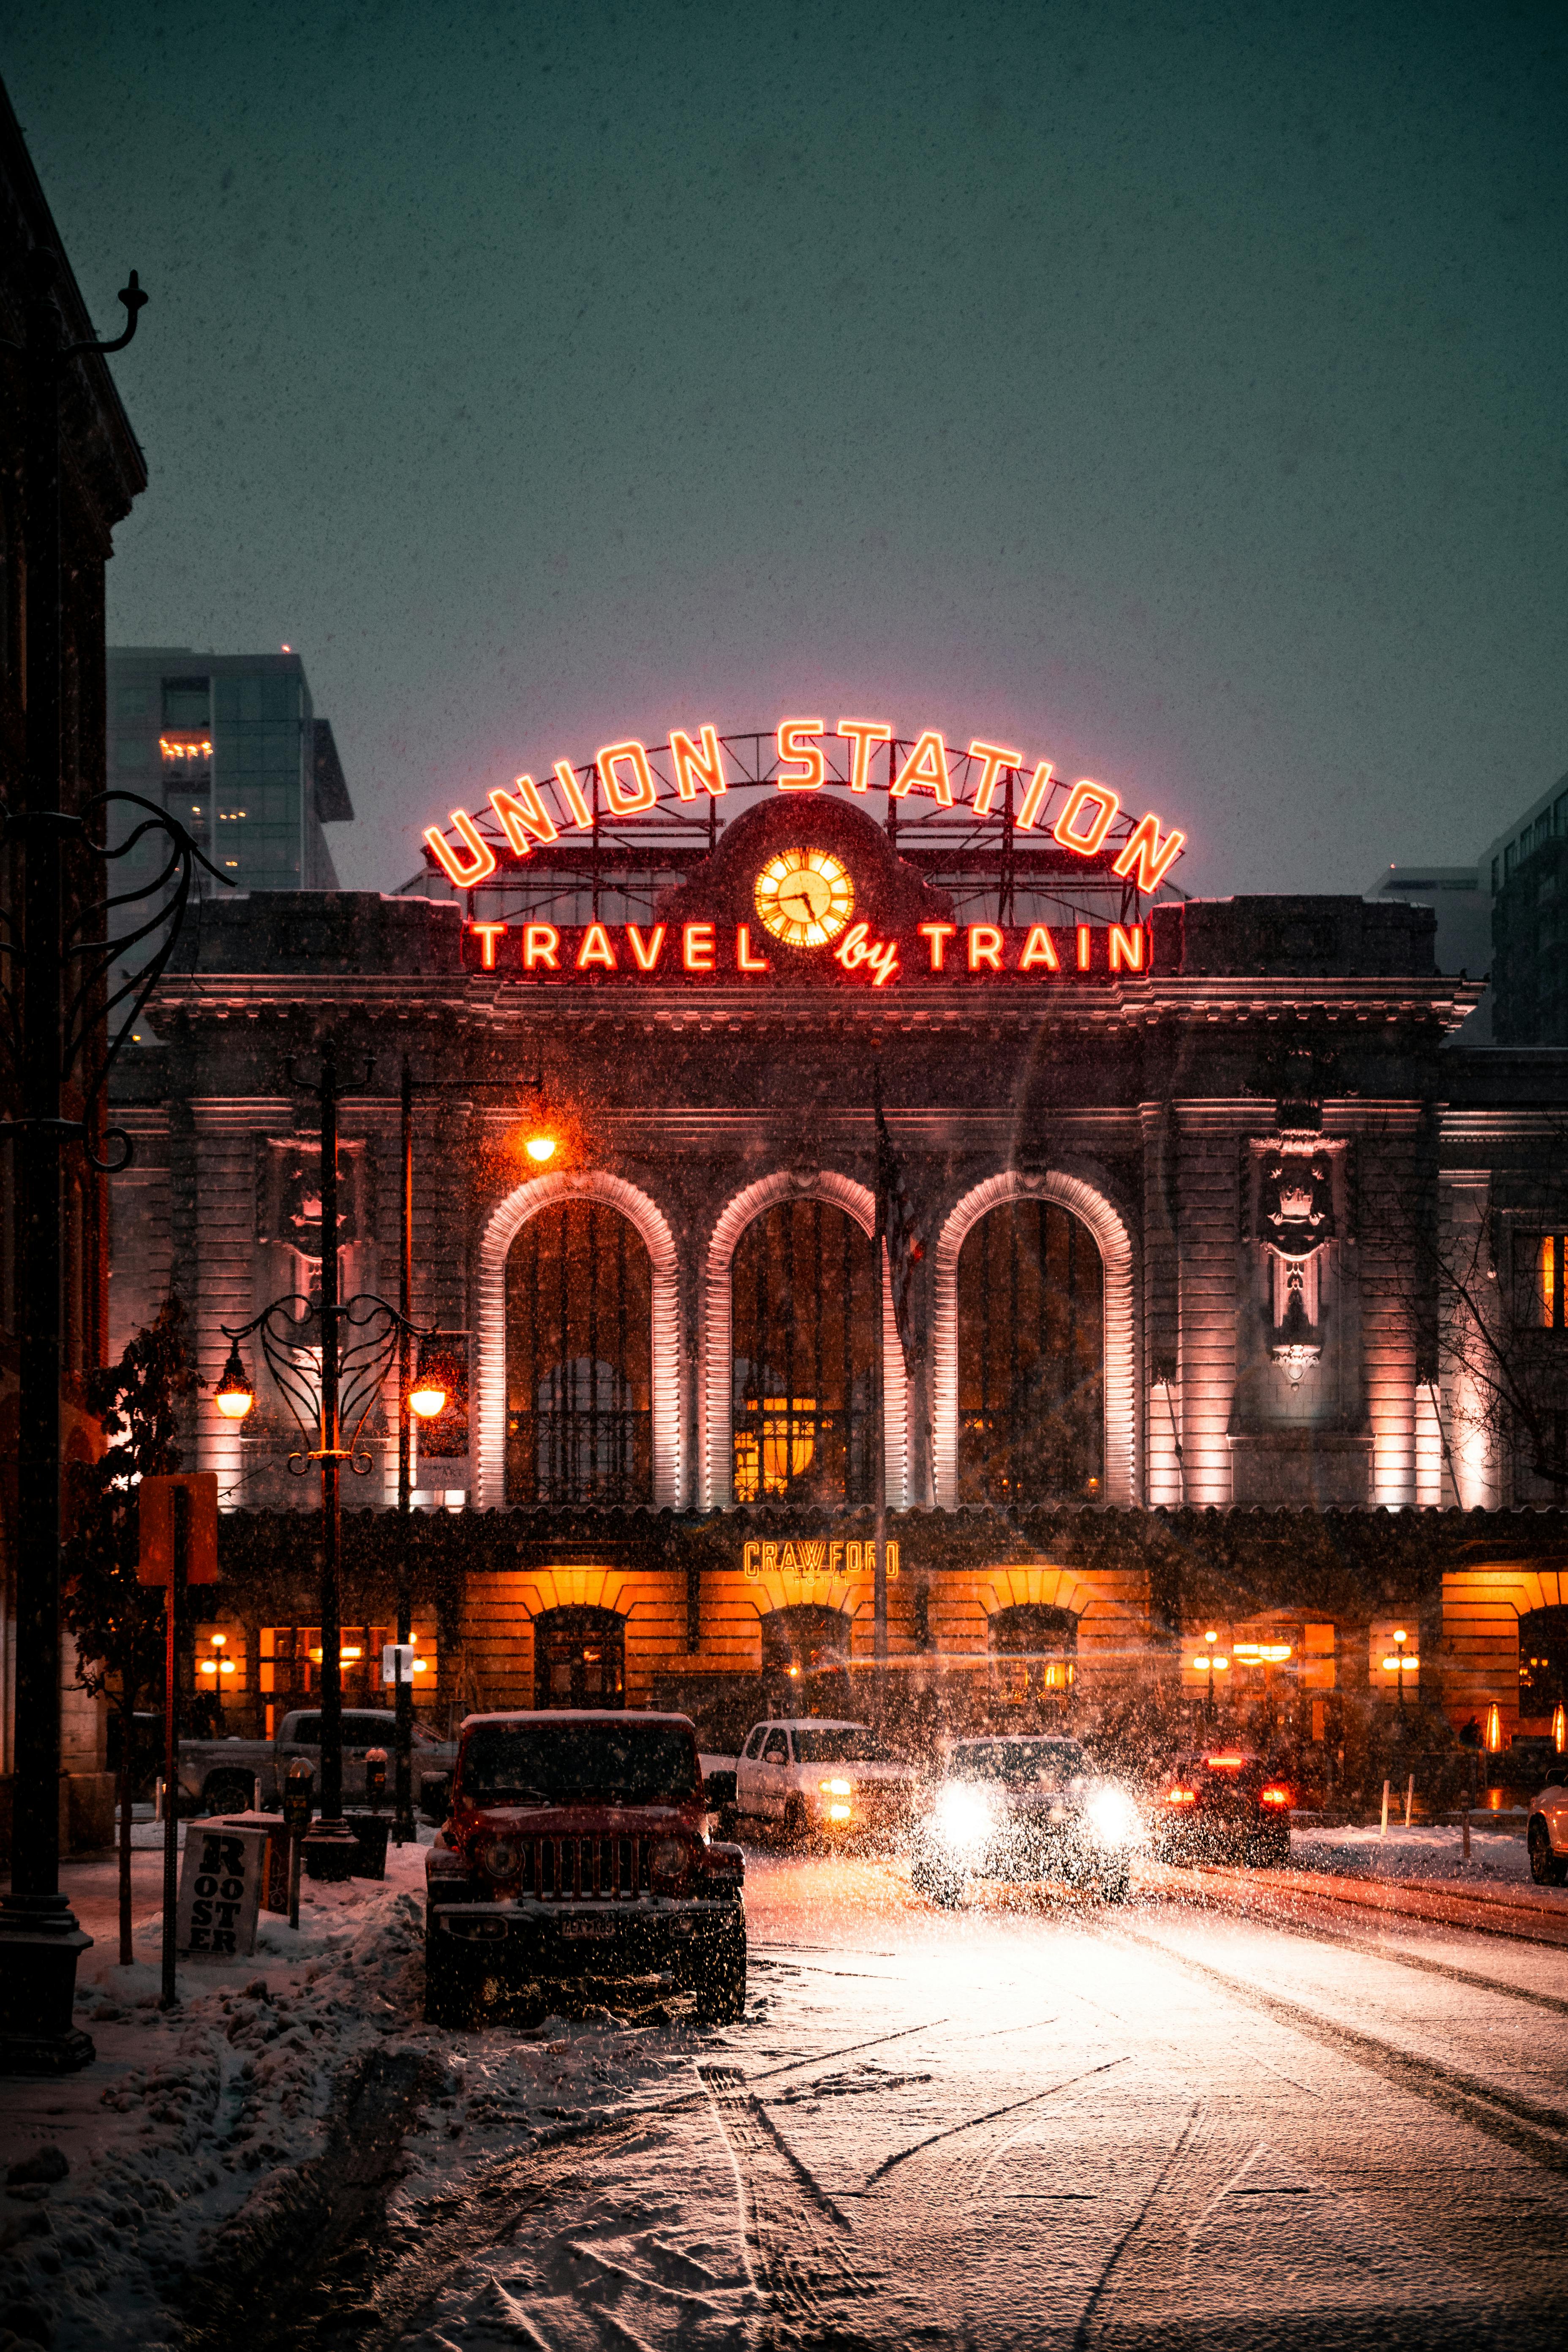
<point>218,1775</point>
<point>816,1778</point>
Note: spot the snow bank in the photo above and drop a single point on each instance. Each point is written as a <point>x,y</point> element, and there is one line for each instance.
<point>190,2122</point>
<point>1415,1852</point>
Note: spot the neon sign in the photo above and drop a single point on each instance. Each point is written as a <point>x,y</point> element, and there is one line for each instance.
<point>1082,818</point>
<point>950,953</point>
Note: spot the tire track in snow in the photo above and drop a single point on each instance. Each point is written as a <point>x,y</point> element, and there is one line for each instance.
<point>800,2248</point>
<point>992,2115</point>
<point>1529,2126</point>
<point>1084,2331</point>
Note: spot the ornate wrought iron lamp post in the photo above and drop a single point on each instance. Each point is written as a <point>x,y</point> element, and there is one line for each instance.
<point>329,1362</point>
<point>64,1012</point>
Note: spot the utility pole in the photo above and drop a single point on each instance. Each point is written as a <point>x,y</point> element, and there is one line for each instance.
<point>404,1828</point>
<point>878,1393</point>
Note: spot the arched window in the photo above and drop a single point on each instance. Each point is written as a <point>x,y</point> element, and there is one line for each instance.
<point>1033,1655</point>
<point>579,1658</point>
<point>1543,1663</point>
<point>579,1358</point>
<point>805,1659</point>
<point>802,1334</point>
<point>1031,1357</point>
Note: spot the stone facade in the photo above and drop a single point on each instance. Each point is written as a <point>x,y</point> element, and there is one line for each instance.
<point>1265,1133</point>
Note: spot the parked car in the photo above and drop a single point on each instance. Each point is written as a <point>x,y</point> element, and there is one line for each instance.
<point>1023,1809</point>
<point>818,1777</point>
<point>576,1845</point>
<point>1230,1805</point>
<point>1547,1831</point>
<point>219,1776</point>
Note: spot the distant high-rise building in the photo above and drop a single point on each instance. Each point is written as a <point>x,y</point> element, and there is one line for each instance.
<point>230,744</point>
<point>1525,873</point>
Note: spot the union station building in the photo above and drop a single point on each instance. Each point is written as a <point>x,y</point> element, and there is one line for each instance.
<point>1169,1376</point>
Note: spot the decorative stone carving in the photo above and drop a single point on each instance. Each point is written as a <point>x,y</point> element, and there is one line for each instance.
<point>1296,1181</point>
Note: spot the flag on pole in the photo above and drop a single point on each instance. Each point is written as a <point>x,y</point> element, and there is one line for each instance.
<point>896,1221</point>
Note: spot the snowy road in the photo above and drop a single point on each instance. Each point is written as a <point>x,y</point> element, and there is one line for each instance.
<point>1032,2122</point>
<point>1039,2124</point>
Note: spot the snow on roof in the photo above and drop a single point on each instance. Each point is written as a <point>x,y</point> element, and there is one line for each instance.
<point>576,1715</point>
<point>818,1722</point>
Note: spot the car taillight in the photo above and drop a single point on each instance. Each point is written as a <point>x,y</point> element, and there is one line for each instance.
<point>1181,1796</point>
<point>1274,1796</point>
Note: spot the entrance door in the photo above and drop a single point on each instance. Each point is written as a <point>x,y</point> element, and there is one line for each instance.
<point>579,1658</point>
<point>1033,1660</point>
<point>805,1659</point>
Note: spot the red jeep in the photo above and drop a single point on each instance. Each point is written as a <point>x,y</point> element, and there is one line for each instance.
<point>576,1845</point>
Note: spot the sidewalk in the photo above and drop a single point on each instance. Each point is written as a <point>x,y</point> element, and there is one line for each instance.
<point>203,2118</point>
<point>160,2137</point>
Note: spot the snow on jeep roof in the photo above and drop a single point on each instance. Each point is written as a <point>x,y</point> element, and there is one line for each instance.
<point>574,1715</point>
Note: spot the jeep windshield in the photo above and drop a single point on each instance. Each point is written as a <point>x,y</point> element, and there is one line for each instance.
<point>625,1762</point>
<point>839,1743</point>
<point>1019,1763</point>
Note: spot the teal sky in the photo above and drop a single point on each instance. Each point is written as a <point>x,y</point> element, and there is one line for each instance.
<point>1174,391</point>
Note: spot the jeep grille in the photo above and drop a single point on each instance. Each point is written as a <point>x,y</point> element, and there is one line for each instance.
<point>614,1868</point>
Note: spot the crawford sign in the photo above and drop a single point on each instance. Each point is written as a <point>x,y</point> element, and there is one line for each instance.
<point>989,780</point>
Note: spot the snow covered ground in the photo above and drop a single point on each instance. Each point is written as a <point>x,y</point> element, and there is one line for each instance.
<point>1414,1852</point>
<point>1027,2122</point>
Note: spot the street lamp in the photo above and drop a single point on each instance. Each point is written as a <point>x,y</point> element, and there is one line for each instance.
<point>428,1395</point>
<point>329,1390</point>
<point>1208,1664</point>
<point>1401,1662</point>
<point>422,1394</point>
<point>234,1396</point>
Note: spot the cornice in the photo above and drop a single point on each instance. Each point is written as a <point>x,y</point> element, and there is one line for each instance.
<point>480,1004</point>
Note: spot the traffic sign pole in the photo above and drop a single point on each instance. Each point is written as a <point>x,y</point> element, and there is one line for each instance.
<point>175,1593</point>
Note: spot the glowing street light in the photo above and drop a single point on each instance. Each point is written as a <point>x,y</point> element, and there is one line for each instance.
<point>235,1394</point>
<point>427,1397</point>
<point>541,1148</point>
<point>1208,1664</point>
<point>1402,1662</point>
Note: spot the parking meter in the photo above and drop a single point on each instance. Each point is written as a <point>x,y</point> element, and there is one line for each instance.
<point>299,1788</point>
<point>375,1774</point>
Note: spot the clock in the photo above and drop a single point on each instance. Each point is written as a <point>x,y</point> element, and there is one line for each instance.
<point>805,897</point>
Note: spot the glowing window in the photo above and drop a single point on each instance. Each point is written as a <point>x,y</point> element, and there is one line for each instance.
<point>579,1359</point>
<point>1546,1302</point>
<point>802,1336</point>
<point>1031,1357</point>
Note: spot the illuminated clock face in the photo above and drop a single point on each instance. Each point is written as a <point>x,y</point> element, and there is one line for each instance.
<point>805,898</point>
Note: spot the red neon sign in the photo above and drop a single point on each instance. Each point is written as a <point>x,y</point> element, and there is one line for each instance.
<point>1082,819</point>
<point>1034,955</point>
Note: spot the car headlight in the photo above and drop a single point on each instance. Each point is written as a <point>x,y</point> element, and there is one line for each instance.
<point>500,1859</point>
<point>836,1788</point>
<point>1114,1818</point>
<point>963,1816</point>
<point>670,1860</point>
